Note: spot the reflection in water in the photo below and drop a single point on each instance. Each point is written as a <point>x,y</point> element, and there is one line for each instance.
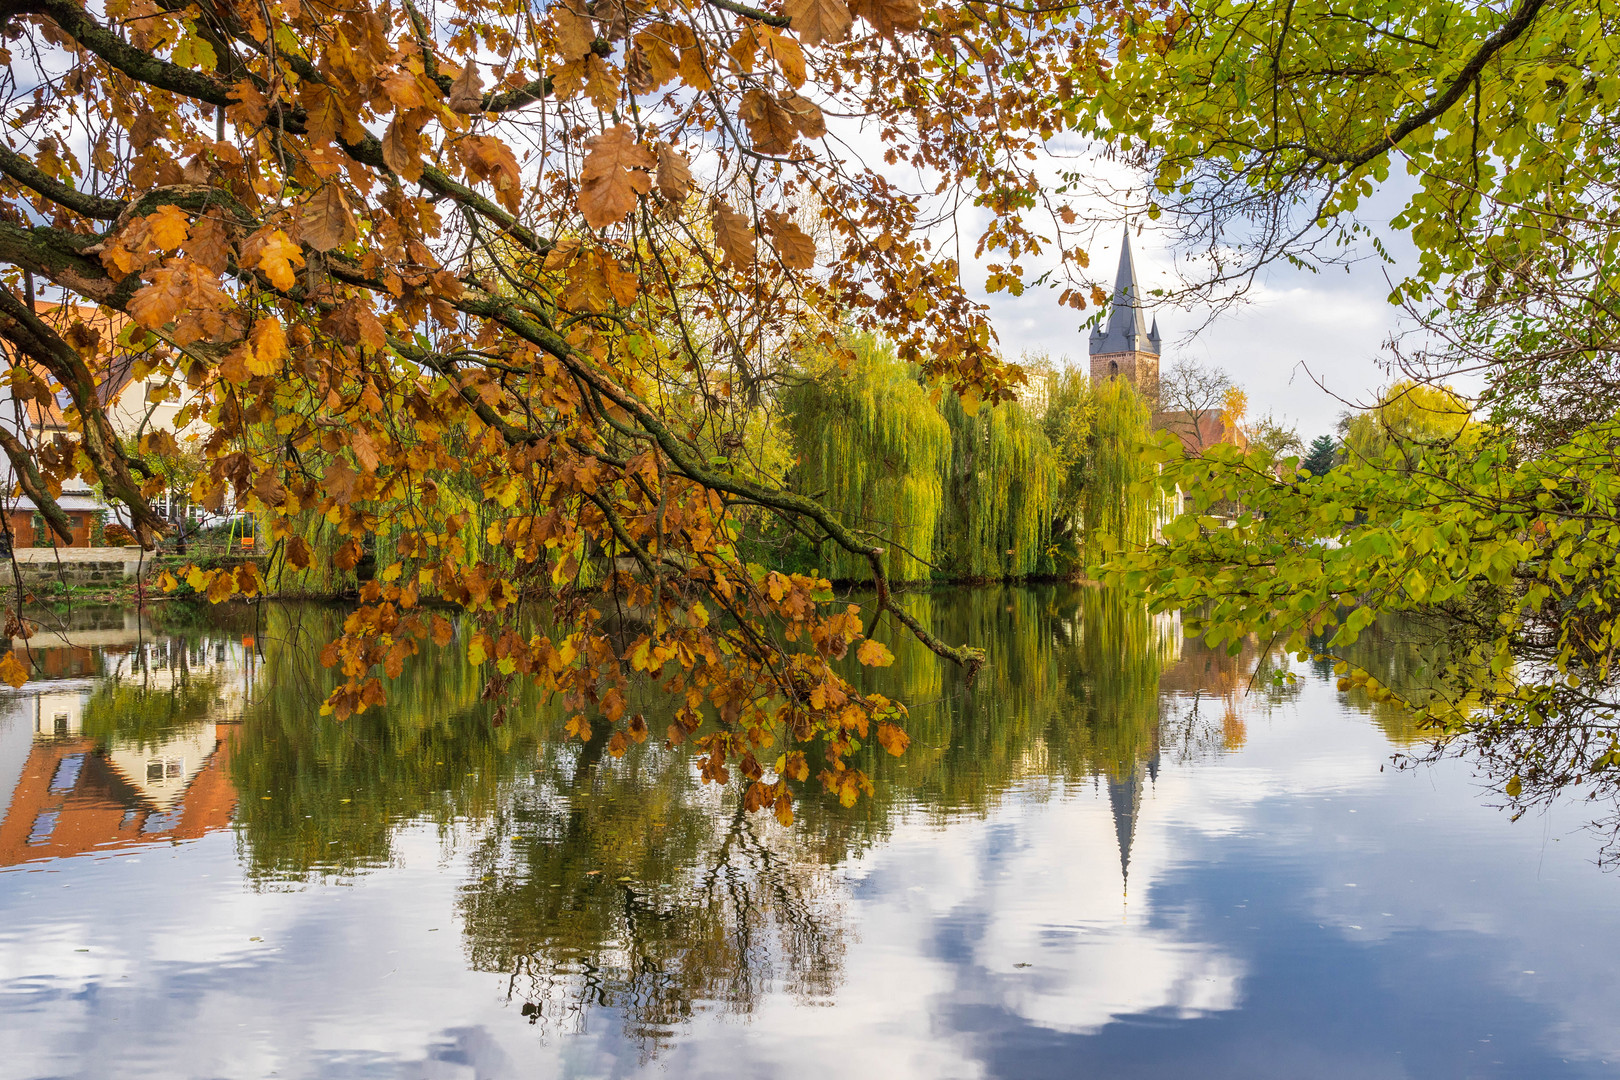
<point>1012,874</point>
<point>128,744</point>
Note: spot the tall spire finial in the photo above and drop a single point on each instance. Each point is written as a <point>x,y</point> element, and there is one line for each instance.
<point>1126,329</point>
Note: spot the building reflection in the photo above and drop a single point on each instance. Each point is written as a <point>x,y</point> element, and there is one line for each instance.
<point>122,738</point>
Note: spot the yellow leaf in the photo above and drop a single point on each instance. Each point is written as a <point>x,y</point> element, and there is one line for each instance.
<point>874,654</point>
<point>278,258</point>
<point>12,671</point>
<point>269,347</point>
<point>169,227</point>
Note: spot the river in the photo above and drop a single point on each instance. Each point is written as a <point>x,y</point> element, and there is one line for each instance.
<point>1117,854</point>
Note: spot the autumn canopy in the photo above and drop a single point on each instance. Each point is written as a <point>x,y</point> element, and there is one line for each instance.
<point>503,284</point>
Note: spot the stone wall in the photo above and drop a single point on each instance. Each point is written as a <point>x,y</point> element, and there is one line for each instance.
<point>42,568</point>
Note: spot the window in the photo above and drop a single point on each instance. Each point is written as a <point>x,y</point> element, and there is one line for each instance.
<point>67,773</point>
<point>1113,368</point>
<point>59,726</point>
<point>43,826</point>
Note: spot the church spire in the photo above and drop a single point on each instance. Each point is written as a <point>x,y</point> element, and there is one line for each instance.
<point>1126,329</point>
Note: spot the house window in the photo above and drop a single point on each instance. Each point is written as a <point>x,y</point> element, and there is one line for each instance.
<point>67,774</point>
<point>44,825</point>
<point>1113,368</point>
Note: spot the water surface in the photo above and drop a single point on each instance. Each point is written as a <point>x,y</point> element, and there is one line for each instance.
<point>1117,855</point>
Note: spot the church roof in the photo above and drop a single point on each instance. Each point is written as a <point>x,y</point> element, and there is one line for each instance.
<point>1126,329</point>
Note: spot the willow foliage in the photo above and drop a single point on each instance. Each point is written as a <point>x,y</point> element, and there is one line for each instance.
<point>1020,489</point>
<point>1003,481</point>
<point>873,449</point>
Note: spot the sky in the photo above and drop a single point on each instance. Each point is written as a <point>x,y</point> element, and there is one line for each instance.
<point>1304,346</point>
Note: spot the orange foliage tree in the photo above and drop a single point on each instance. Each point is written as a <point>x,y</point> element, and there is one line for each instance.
<point>551,255</point>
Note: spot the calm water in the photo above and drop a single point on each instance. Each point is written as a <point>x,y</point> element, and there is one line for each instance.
<point>1109,858</point>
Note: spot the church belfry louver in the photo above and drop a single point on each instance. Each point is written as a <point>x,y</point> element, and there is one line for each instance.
<point>1124,347</point>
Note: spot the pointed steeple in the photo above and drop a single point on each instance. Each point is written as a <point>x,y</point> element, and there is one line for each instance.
<point>1126,329</point>
<point>1125,798</point>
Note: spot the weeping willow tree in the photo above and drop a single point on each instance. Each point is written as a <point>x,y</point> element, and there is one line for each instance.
<point>1002,482</point>
<point>874,449</point>
<point>1029,487</point>
<point>1119,503</point>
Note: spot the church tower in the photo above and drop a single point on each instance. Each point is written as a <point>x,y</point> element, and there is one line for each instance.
<point>1124,347</point>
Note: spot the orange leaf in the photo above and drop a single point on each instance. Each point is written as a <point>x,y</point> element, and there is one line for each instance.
<point>443,631</point>
<point>613,176</point>
<point>269,347</point>
<point>892,738</point>
<point>574,32</point>
<point>788,56</point>
<point>601,83</point>
<point>491,160</point>
<point>156,304</point>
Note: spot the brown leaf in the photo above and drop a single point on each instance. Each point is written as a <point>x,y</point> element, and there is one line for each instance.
<point>769,125</point>
<point>209,244</point>
<point>467,92</point>
<point>402,149</point>
<point>734,236</point>
<point>613,176</point>
<point>806,115</point>
<point>326,221</point>
<point>299,553</point>
<point>492,160</point>
<point>793,245</point>
<point>269,488</point>
<point>674,174</point>
<point>340,481</point>
<point>889,17</point>
<point>652,61</point>
<point>819,21</point>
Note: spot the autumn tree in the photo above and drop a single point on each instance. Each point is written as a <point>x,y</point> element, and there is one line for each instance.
<point>493,280</point>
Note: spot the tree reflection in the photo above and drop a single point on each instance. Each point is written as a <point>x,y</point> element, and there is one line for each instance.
<point>625,885</point>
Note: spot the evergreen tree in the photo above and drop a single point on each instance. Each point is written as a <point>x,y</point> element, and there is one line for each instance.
<point>1320,458</point>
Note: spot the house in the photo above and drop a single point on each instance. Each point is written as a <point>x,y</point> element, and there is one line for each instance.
<point>1125,348</point>
<point>128,399</point>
